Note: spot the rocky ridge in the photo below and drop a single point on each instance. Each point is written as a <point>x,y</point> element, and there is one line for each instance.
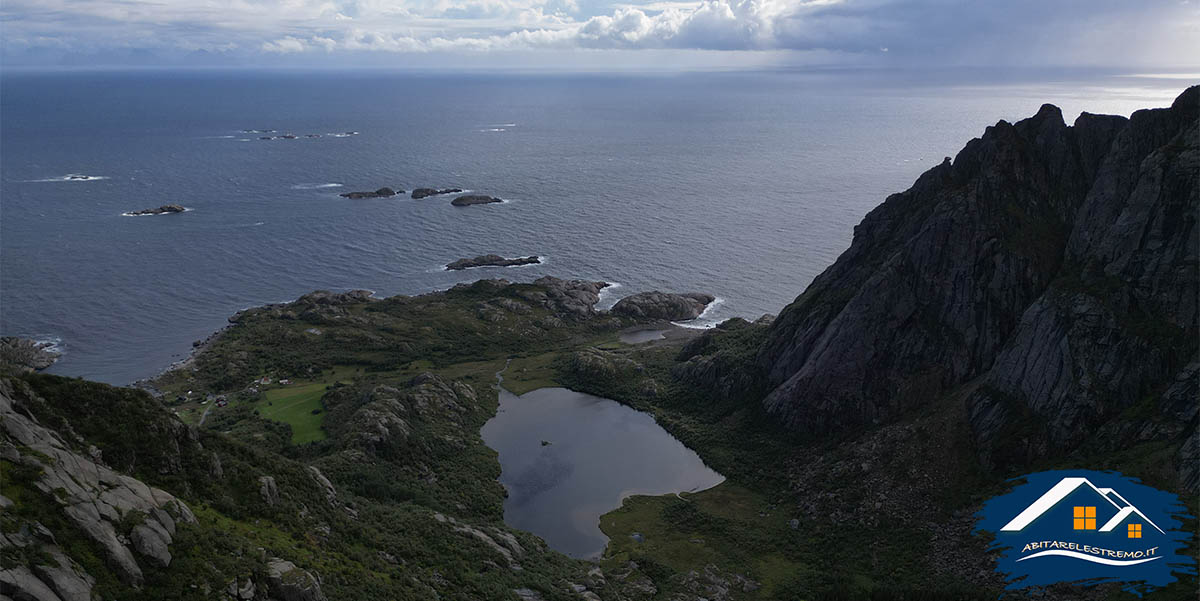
<point>1052,267</point>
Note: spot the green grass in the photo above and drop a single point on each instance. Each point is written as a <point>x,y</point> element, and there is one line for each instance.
<point>294,406</point>
<point>526,374</point>
<point>716,526</point>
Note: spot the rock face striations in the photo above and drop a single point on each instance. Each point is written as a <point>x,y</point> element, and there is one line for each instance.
<point>1049,272</point>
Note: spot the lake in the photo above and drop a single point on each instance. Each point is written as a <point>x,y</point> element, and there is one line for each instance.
<point>568,457</point>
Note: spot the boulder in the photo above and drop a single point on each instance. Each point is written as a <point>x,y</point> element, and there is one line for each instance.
<point>662,305</point>
<point>287,582</point>
<point>268,490</point>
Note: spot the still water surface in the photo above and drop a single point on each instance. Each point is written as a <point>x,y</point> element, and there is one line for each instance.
<point>599,452</point>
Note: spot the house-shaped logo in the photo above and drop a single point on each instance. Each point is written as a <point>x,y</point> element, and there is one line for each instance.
<point>1086,526</point>
<point>1118,515</point>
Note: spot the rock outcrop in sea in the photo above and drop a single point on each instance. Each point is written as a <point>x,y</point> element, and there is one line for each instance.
<point>380,193</point>
<point>420,193</point>
<point>474,199</point>
<point>663,305</point>
<point>492,261</point>
<point>164,209</point>
<point>1049,272</point>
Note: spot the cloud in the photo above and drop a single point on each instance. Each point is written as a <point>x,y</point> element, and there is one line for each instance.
<point>1153,32</point>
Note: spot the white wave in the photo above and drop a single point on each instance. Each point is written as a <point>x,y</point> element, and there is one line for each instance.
<point>70,177</point>
<point>316,186</point>
<point>217,137</point>
<point>702,322</point>
<point>506,125</point>
<point>345,134</point>
<point>605,293</point>
<point>52,343</point>
<point>1091,558</point>
<point>493,129</point>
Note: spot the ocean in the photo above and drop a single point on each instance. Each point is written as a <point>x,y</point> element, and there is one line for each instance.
<point>742,185</point>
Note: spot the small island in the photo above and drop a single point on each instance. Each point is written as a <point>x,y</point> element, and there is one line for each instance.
<point>163,210</point>
<point>474,199</point>
<point>380,193</point>
<point>493,261</point>
<point>420,193</point>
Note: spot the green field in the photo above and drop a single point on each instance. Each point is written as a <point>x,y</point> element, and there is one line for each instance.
<point>294,405</point>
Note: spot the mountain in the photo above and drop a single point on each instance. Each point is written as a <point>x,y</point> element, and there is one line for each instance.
<point>1048,275</point>
<point>1030,304</point>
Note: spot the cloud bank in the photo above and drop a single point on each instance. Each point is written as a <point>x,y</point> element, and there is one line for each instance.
<point>1161,33</point>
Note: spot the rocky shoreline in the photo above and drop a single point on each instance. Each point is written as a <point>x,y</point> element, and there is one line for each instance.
<point>492,261</point>
<point>26,355</point>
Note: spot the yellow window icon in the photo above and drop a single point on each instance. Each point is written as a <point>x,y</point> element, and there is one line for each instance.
<point>1135,531</point>
<point>1085,518</point>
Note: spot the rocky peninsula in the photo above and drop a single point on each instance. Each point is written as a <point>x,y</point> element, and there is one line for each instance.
<point>663,305</point>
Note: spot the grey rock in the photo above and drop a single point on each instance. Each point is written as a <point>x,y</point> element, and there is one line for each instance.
<point>268,490</point>
<point>287,582</point>
<point>662,305</point>
<point>571,299</point>
<point>94,497</point>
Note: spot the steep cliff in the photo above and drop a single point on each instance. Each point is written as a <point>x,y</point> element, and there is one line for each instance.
<point>1049,272</point>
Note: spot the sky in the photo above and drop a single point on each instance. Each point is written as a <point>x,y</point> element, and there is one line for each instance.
<point>1130,34</point>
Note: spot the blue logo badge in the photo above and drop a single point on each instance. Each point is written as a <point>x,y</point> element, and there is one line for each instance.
<point>1088,527</point>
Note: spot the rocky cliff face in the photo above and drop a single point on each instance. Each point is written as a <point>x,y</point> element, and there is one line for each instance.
<point>1049,272</point>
